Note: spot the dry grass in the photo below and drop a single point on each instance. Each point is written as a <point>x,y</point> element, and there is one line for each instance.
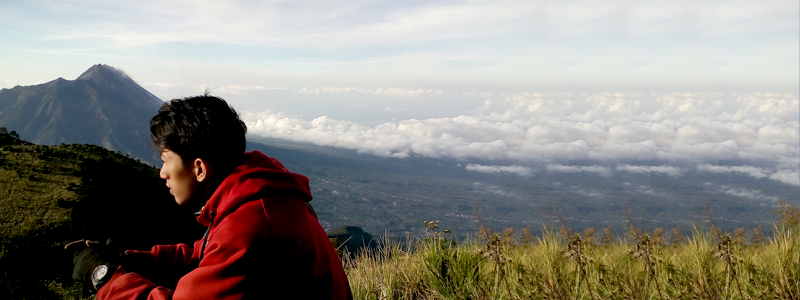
<point>553,266</point>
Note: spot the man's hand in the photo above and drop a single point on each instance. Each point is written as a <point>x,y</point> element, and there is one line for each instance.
<point>81,244</point>
<point>87,256</point>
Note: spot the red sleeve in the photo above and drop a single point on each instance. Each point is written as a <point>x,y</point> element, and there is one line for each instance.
<point>175,255</point>
<point>165,255</point>
<point>124,285</point>
<point>220,274</point>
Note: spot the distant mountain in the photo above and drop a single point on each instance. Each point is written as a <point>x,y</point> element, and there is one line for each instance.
<point>103,107</point>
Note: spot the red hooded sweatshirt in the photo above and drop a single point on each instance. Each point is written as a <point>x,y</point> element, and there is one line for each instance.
<point>262,243</point>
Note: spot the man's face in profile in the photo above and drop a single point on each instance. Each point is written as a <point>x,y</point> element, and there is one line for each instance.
<point>181,179</point>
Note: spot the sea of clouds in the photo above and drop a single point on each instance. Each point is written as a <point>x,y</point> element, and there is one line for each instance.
<point>751,134</point>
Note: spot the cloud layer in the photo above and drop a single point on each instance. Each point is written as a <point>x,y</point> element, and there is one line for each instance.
<point>518,170</point>
<point>759,131</point>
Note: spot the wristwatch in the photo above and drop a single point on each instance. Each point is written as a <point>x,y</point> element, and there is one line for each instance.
<point>101,275</point>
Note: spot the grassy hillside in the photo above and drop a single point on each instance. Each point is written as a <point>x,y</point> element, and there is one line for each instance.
<point>50,195</point>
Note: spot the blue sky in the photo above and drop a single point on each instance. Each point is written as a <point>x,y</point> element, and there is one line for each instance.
<point>510,46</point>
<point>532,83</point>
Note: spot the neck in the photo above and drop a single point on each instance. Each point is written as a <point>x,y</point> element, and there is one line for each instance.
<point>212,184</point>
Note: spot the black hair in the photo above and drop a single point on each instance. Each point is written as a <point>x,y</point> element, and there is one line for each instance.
<point>203,127</point>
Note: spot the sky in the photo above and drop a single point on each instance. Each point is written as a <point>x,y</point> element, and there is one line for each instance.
<point>706,86</point>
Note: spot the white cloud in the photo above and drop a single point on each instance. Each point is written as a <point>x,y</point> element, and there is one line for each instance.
<point>667,170</point>
<point>238,88</point>
<point>787,176</point>
<point>494,189</point>
<point>588,192</point>
<point>402,92</point>
<point>518,170</point>
<point>609,128</point>
<point>159,84</point>
<point>391,92</point>
<point>751,171</point>
<point>329,90</point>
<point>650,191</point>
<point>9,83</point>
<point>500,191</point>
<point>597,170</point>
<point>754,172</point>
<point>747,193</point>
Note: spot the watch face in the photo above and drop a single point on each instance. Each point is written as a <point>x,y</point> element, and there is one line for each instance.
<point>100,272</point>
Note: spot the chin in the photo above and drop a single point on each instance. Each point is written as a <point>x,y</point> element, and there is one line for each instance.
<point>180,201</point>
<point>185,200</point>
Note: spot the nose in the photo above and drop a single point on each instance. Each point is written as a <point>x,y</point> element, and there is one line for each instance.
<point>162,173</point>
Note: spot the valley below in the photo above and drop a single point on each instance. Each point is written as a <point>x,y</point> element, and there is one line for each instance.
<point>394,196</point>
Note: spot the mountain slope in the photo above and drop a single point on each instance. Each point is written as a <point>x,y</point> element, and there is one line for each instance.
<point>103,107</point>
<point>50,195</point>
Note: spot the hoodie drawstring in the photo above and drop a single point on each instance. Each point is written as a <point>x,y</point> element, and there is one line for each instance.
<point>205,236</point>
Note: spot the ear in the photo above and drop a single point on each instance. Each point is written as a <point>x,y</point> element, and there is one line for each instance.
<point>202,171</point>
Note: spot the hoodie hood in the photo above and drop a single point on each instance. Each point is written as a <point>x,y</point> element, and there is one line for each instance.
<point>259,175</point>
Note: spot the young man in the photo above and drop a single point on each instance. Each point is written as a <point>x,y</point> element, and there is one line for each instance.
<point>263,241</point>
